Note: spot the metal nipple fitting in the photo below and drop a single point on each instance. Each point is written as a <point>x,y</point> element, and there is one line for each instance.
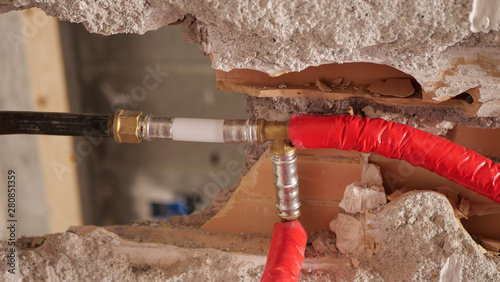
<point>286,181</point>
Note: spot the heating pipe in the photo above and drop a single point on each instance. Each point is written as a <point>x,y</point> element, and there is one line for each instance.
<point>286,253</point>
<point>398,141</point>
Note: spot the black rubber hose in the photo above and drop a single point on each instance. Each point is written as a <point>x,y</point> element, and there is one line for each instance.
<point>55,124</point>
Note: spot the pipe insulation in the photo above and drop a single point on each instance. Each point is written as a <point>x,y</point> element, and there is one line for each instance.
<point>398,141</point>
<point>286,253</point>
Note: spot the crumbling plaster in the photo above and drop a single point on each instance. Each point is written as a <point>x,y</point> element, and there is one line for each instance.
<point>431,40</point>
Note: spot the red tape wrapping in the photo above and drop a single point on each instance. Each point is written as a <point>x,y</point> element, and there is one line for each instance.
<point>399,141</point>
<point>286,254</point>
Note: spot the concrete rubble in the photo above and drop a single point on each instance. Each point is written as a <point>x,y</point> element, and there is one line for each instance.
<point>414,237</point>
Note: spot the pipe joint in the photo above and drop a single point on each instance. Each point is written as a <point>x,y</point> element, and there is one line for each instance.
<point>151,127</point>
<point>125,126</point>
<point>286,181</point>
<point>240,131</point>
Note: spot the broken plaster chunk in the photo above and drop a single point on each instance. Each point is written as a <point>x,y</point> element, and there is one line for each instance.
<point>322,86</point>
<point>359,199</point>
<point>397,87</point>
<point>349,232</point>
<point>371,175</point>
<point>282,85</point>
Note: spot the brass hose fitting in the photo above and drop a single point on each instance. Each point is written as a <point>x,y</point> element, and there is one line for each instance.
<point>126,126</point>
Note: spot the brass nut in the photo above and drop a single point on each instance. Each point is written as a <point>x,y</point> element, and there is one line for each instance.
<point>125,126</point>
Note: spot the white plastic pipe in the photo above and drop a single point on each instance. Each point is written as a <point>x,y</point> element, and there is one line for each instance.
<point>198,130</point>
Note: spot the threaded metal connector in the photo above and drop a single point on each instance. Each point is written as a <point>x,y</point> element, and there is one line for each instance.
<point>286,181</point>
<point>125,125</point>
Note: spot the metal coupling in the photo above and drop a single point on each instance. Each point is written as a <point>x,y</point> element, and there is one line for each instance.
<point>240,131</point>
<point>151,127</point>
<point>125,126</point>
<point>286,181</point>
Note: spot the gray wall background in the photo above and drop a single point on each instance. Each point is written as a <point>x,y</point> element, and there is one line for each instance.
<point>118,181</point>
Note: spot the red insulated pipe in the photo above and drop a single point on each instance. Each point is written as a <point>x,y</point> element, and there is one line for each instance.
<point>398,141</point>
<point>286,254</point>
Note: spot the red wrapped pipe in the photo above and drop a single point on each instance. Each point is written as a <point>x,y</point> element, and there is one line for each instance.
<point>286,254</point>
<point>399,141</point>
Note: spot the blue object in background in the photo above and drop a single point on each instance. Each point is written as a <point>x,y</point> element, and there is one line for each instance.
<point>165,211</point>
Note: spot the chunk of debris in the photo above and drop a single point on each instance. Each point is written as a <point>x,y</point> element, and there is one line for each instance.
<point>337,81</point>
<point>394,195</point>
<point>349,111</point>
<point>345,85</point>
<point>322,86</point>
<point>355,262</point>
<point>464,207</point>
<point>282,85</point>
<point>358,199</point>
<point>371,173</point>
<point>397,87</point>
<point>349,232</point>
<point>480,209</point>
<point>333,249</point>
<point>490,244</point>
<point>319,246</point>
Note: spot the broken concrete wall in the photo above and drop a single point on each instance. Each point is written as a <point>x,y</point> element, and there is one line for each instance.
<point>430,40</point>
<point>427,39</point>
<point>413,238</point>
